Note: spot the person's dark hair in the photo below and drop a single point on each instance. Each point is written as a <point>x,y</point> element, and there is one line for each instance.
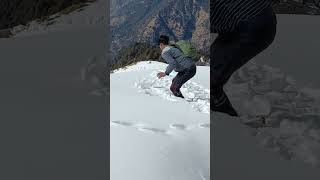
<point>164,39</point>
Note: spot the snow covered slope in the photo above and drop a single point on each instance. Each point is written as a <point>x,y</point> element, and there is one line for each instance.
<point>290,107</point>
<point>237,155</point>
<point>292,114</point>
<point>51,128</point>
<point>93,14</point>
<point>275,85</point>
<point>155,135</point>
<point>162,137</point>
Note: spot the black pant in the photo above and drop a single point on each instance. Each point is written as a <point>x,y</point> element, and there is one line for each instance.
<point>232,50</point>
<point>181,78</point>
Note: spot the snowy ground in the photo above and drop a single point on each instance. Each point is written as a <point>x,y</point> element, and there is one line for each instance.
<point>238,156</point>
<point>159,136</point>
<point>290,106</point>
<point>281,85</point>
<point>292,115</point>
<point>168,124</point>
<point>51,128</point>
<point>93,14</point>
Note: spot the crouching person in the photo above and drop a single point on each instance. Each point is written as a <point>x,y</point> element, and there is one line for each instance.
<point>178,62</point>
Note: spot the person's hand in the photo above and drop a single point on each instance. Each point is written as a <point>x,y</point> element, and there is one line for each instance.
<point>161,74</point>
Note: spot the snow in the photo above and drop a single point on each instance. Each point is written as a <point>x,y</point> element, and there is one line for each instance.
<point>51,128</point>
<point>194,93</point>
<point>294,50</point>
<point>284,91</point>
<point>292,115</point>
<point>91,15</point>
<point>157,135</point>
<point>238,155</point>
<point>266,86</point>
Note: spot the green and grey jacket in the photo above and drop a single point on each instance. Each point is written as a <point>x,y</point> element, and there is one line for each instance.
<point>176,60</point>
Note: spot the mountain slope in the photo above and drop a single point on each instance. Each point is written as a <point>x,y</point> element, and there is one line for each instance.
<point>90,15</point>
<point>51,128</point>
<point>153,134</point>
<point>15,12</point>
<point>145,20</point>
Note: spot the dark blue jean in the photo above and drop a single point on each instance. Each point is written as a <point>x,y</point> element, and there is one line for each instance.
<point>181,78</point>
<point>232,50</point>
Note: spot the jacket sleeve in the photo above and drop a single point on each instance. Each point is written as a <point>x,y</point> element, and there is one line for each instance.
<point>170,60</point>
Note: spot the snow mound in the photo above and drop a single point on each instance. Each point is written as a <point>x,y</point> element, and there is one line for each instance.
<point>195,94</point>
<point>292,115</point>
<point>140,66</point>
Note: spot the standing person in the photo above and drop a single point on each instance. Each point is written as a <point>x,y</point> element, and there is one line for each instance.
<point>245,28</point>
<point>176,60</point>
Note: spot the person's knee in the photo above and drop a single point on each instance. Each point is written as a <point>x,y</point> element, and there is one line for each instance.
<point>173,80</point>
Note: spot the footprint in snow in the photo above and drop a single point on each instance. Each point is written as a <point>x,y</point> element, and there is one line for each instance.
<point>152,130</point>
<point>184,127</point>
<point>122,123</point>
<point>140,127</point>
<point>178,126</point>
<point>204,125</point>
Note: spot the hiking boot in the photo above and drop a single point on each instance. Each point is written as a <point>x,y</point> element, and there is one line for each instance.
<point>225,108</point>
<point>223,105</point>
<point>178,94</point>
